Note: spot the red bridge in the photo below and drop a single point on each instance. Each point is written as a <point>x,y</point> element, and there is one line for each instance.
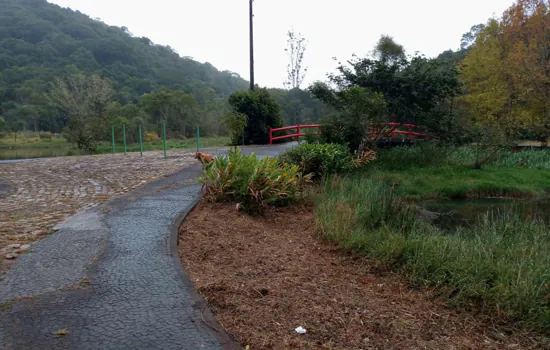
<point>380,131</point>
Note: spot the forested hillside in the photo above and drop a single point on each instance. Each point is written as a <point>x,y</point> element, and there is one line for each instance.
<point>40,41</point>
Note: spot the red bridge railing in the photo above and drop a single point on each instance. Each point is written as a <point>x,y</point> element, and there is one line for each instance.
<point>299,128</point>
<point>385,129</point>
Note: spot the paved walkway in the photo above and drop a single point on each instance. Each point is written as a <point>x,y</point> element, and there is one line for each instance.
<point>110,278</point>
<point>36,195</point>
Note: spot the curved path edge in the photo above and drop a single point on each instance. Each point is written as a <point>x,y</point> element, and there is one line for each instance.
<point>208,317</point>
<point>111,278</point>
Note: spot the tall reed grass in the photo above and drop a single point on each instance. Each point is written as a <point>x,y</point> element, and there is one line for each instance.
<point>500,266</point>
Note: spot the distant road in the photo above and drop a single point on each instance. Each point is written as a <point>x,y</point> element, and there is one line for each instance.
<point>16,160</point>
<point>215,150</point>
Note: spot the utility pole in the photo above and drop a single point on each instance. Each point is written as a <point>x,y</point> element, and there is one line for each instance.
<point>251,15</point>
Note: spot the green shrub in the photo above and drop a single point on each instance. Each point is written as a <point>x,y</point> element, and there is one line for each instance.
<point>320,159</point>
<point>151,137</point>
<point>525,159</point>
<point>313,137</point>
<point>262,112</point>
<point>253,182</point>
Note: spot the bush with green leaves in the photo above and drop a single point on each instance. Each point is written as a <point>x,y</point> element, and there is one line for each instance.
<point>262,111</point>
<point>255,183</point>
<point>320,159</point>
<point>358,109</point>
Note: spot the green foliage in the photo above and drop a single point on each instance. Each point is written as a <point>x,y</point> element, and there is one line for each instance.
<point>40,42</point>
<point>254,183</point>
<point>262,112</point>
<point>524,159</point>
<point>4,127</point>
<point>387,50</point>
<point>299,106</point>
<point>416,90</point>
<point>359,110</point>
<point>85,101</point>
<point>312,137</point>
<point>320,159</point>
<point>18,125</point>
<point>499,266</point>
<point>180,111</point>
<point>506,71</point>
<point>424,154</point>
<point>236,123</point>
<point>434,171</point>
<point>430,154</point>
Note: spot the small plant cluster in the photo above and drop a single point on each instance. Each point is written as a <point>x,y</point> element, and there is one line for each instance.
<point>323,159</point>
<point>151,137</point>
<point>254,183</point>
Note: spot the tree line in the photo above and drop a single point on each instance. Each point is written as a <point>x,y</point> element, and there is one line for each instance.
<point>492,91</point>
<point>43,46</point>
<point>495,86</point>
<point>506,74</point>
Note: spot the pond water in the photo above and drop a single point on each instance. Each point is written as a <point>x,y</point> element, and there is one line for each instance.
<point>457,213</point>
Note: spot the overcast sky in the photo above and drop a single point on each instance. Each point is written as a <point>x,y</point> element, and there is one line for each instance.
<point>216,31</point>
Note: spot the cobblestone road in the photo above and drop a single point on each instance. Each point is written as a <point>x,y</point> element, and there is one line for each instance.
<point>38,194</point>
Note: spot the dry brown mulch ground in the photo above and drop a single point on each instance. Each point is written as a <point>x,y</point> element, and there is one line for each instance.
<point>265,276</point>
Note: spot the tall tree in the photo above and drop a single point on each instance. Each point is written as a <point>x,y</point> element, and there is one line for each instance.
<point>507,71</point>
<point>296,71</point>
<point>388,51</point>
<point>491,97</point>
<point>359,109</point>
<point>158,104</point>
<point>185,112</point>
<point>415,89</point>
<point>469,38</point>
<point>526,26</point>
<point>262,112</point>
<point>85,101</point>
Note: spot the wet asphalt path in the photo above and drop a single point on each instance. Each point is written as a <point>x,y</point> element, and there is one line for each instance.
<point>110,278</point>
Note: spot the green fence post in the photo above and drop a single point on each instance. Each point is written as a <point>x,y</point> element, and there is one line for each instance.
<point>113,138</point>
<point>140,142</point>
<point>124,136</point>
<point>164,137</point>
<point>198,139</point>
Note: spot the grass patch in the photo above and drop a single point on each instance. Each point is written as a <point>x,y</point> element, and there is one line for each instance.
<point>431,154</point>
<point>34,147</point>
<point>464,182</point>
<point>432,171</point>
<point>499,266</point>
